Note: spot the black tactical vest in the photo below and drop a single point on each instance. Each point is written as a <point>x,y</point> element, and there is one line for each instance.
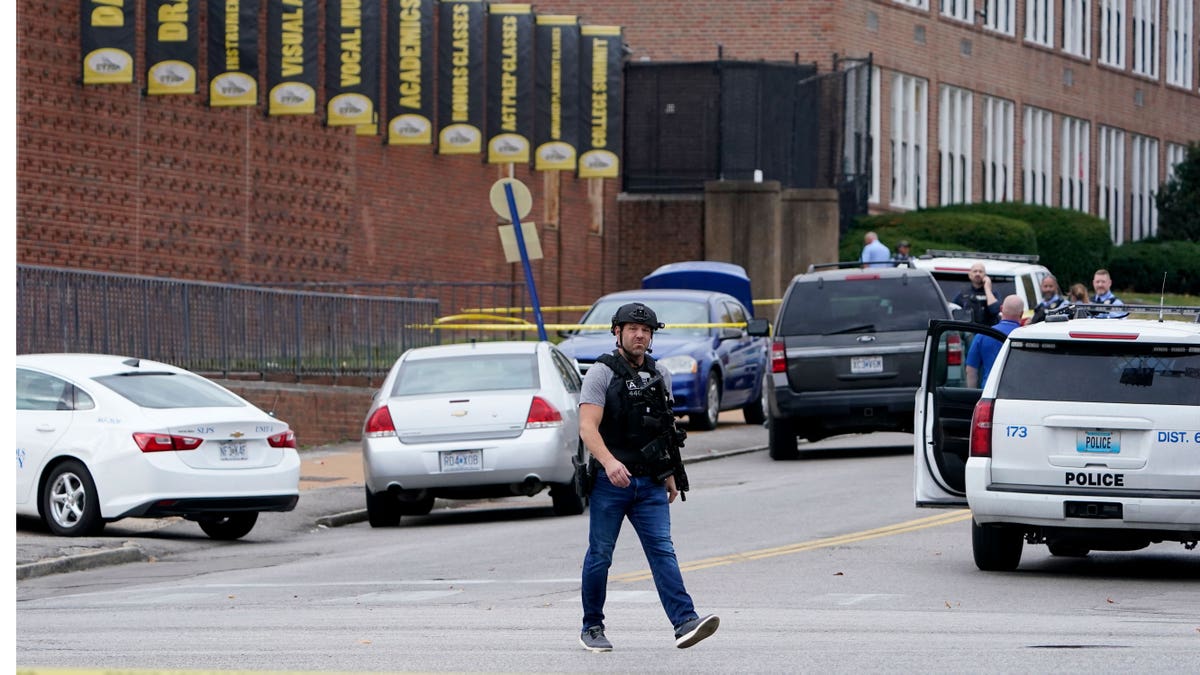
<point>636,410</point>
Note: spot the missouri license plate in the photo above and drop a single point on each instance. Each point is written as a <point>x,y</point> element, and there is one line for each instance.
<point>1098,440</point>
<point>866,364</point>
<point>461,460</point>
<point>233,451</point>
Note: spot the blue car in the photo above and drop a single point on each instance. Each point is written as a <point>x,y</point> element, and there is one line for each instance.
<point>712,369</point>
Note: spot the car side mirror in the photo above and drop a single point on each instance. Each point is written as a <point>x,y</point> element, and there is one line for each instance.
<point>758,327</point>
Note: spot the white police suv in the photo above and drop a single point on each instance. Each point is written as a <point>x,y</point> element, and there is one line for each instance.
<point>1085,435</point>
<point>1011,273</point>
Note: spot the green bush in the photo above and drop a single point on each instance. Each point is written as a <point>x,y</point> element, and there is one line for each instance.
<point>939,229</point>
<point>1140,266</point>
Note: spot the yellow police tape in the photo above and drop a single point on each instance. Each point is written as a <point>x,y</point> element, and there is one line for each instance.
<point>573,308</point>
<point>521,324</point>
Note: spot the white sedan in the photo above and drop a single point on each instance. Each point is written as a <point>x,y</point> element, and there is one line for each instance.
<point>472,421</point>
<point>100,438</point>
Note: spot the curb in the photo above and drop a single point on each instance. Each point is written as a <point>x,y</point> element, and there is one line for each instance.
<point>82,561</point>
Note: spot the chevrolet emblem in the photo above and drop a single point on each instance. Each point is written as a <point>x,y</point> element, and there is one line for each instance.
<point>459,413</point>
<point>237,434</point>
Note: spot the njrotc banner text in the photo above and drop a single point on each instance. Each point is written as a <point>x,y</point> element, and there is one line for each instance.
<point>352,64</point>
<point>460,77</point>
<point>556,93</point>
<point>600,82</point>
<point>509,83</point>
<point>106,37</point>
<point>292,57</point>
<point>410,72</point>
<point>171,41</point>
<point>232,52</point>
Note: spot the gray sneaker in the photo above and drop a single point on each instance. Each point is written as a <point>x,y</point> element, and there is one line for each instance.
<point>696,630</point>
<point>593,640</point>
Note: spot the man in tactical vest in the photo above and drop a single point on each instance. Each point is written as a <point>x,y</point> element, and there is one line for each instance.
<point>626,422</point>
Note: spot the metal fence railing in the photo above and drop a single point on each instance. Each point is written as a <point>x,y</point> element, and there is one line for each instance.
<point>227,328</point>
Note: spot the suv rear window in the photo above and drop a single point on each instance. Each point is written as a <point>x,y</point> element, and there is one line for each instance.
<point>1101,371</point>
<point>826,307</point>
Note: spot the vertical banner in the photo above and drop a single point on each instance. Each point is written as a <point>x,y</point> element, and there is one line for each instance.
<point>410,72</point>
<point>292,56</point>
<point>171,46</point>
<point>106,41</point>
<point>352,64</point>
<point>460,77</point>
<point>556,93</point>
<point>509,83</point>
<point>232,52</point>
<point>601,55</point>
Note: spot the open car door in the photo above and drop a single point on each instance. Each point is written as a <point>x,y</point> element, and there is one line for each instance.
<point>944,405</point>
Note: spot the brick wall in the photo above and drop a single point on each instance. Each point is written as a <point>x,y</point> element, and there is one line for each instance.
<point>320,414</point>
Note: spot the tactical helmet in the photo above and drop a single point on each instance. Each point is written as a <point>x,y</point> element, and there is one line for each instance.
<point>635,312</point>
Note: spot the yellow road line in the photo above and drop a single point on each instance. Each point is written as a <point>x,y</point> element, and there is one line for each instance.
<point>899,528</point>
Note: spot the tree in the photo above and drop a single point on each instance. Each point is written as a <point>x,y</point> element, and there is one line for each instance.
<point>1178,199</point>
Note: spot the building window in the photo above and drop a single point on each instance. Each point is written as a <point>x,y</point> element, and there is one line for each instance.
<point>1001,16</point>
<point>1143,186</point>
<point>1175,155</point>
<point>875,79</point>
<point>1180,15</point>
<point>1039,22</point>
<point>1076,158</point>
<point>1038,155</point>
<point>1111,181</point>
<point>919,4</point>
<point>1077,27</point>
<point>954,141</point>
<point>1145,37</point>
<point>958,9</point>
<point>1112,33</point>
<point>910,115</point>
<point>997,150</point>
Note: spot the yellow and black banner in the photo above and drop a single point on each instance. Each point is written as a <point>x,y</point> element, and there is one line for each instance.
<point>410,72</point>
<point>600,98</point>
<point>556,93</point>
<point>106,40</point>
<point>509,83</point>
<point>232,52</point>
<point>171,46</point>
<point>292,56</point>
<point>352,64</point>
<point>460,77</point>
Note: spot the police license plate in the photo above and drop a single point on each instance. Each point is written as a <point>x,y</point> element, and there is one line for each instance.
<point>233,451</point>
<point>1098,440</point>
<point>461,460</point>
<point>866,364</point>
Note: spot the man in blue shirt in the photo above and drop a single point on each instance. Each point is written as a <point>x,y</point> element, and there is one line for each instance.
<point>984,348</point>
<point>874,253</point>
<point>1102,285</point>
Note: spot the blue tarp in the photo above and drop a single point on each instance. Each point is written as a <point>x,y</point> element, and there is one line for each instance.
<point>704,275</point>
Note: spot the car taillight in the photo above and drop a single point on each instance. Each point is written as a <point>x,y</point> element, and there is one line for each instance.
<point>283,439</point>
<point>150,442</point>
<point>981,429</point>
<point>778,357</point>
<point>954,350</point>
<point>542,415</point>
<point>380,423</point>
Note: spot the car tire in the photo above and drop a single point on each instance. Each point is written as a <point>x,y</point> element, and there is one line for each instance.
<point>707,420</point>
<point>383,509</point>
<point>755,412</point>
<point>997,548</point>
<point>415,507</point>
<point>70,505</point>
<point>567,502</point>
<point>781,439</point>
<point>229,526</point>
<point>1067,550</point>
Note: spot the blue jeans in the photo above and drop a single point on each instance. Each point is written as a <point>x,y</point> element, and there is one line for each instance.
<point>644,502</point>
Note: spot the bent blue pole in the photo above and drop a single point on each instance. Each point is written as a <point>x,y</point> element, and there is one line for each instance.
<point>516,221</point>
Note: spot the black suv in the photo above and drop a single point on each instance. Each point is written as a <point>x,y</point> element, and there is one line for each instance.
<point>847,350</point>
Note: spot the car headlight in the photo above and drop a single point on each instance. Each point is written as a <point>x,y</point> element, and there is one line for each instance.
<point>679,365</point>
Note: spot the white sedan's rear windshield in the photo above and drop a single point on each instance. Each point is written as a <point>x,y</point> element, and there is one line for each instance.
<point>170,390</point>
<point>475,372</point>
<point>1101,371</point>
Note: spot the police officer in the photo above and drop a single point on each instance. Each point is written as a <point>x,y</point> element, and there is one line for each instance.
<point>625,408</point>
<point>979,298</point>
